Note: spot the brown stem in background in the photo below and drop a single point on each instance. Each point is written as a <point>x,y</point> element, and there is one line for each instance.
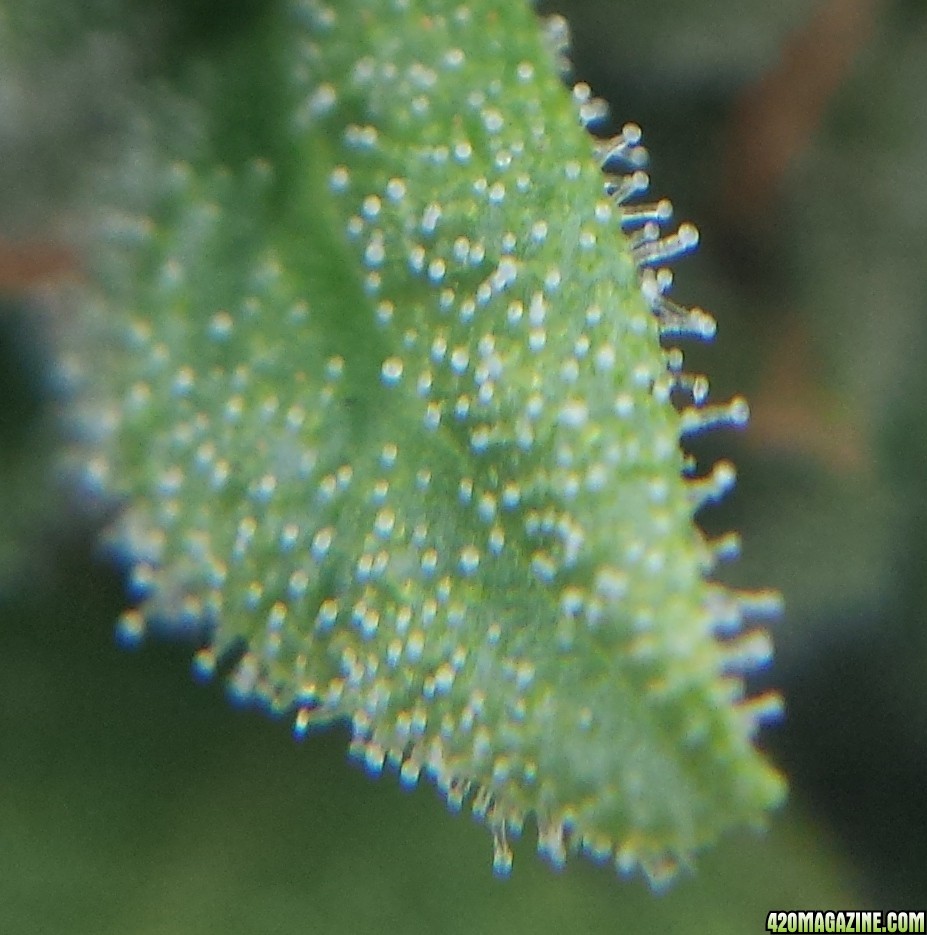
<point>27,267</point>
<point>794,410</point>
<point>777,116</point>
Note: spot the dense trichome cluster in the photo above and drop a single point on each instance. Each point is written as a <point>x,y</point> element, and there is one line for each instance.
<point>394,422</point>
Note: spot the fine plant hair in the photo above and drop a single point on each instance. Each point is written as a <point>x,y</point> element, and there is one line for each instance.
<point>383,382</point>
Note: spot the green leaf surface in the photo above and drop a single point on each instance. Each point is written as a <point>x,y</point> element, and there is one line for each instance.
<point>376,377</point>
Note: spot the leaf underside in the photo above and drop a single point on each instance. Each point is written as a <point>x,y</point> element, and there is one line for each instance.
<point>386,409</point>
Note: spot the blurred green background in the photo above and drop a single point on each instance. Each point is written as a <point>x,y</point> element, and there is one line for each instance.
<point>135,800</point>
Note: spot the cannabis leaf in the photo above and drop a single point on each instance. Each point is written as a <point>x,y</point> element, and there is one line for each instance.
<point>385,409</point>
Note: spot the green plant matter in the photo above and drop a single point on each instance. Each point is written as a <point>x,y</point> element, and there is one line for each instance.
<point>374,366</point>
